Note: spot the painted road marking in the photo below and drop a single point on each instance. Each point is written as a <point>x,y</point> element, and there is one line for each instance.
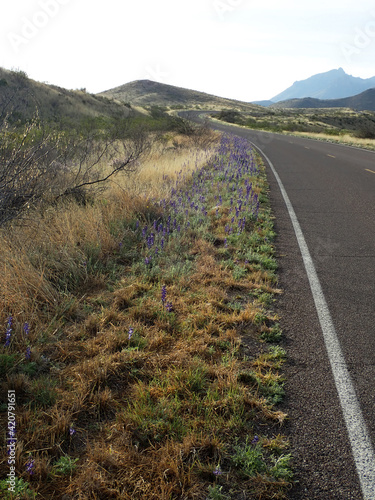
<point>368,170</point>
<point>331,156</point>
<point>363,452</point>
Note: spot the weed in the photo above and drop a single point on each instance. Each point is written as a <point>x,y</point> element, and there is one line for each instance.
<point>21,490</point>
<point>216,493</point>
<point>272,334</point>
<point>7,362</point>
<point>248,458</point>
<point>65,465</point>
<point>44,392</point>
<point>281,468</point>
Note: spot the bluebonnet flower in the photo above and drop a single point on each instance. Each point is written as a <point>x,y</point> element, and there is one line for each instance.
<point>26,328</point>
<point>8,334</point>
<point>169,306</point>
<point>217,471</point>
<point>28,353</point>
<point>30,466</point>
<point>163,293</point>
<point>130,333</point>
<point>147,261</point>
<point>255,440</point>
<point>72,431</point>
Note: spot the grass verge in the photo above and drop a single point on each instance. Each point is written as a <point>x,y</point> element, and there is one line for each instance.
<point>336,125</point>
<point>144,371</point>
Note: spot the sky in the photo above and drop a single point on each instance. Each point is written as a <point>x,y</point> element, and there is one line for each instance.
<point>240,49</point>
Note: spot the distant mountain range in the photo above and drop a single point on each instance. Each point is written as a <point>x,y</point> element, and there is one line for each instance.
<point>334,84</point>
<point>21,94</point>
<point>359,102</point>
<point>332,89</point>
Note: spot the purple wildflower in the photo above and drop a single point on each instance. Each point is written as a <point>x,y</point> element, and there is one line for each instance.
<point>163,293</point>
<point>169,306</point>
<point>26,328</point>
<point>28,353</point>
<point>8,334</point>
<point>130,333</point>
<point>217,471</point>
<point>30,466</point>
<point>72,431</point>
<point>255,440</point>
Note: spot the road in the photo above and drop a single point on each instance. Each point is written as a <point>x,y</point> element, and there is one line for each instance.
<point>331,189</point>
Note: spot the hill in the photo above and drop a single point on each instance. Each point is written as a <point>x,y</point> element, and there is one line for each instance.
<point>364,101</point>
<point>265,103</point>
<point>148,93</point>
<point>334,84</point>
<point>21,96</point>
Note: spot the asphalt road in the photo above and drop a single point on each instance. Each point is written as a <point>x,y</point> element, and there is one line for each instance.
<point>332,191</point>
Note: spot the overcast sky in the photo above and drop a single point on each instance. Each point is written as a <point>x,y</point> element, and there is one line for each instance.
<point>241,49</point>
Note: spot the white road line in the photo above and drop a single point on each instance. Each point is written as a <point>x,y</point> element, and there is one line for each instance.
<point>362,449</point>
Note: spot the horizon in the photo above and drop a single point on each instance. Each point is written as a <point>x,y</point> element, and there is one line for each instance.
<point>178,86</point>
<point>227,48</point>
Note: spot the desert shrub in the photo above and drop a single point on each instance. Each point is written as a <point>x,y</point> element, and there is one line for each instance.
<point>366,131</point>
<point>230,116</point>
<point>40,165</point>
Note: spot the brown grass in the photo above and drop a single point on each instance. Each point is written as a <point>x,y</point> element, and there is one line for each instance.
<point>147,417</point>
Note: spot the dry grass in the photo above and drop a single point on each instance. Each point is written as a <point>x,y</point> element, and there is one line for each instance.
<point>149,401</point>
<point>346,139</point>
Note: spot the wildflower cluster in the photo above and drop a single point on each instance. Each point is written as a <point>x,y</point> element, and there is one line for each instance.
<point>9,332</point>
<point>168,305</point>
<point>225,180</point>
<point>30,465</point>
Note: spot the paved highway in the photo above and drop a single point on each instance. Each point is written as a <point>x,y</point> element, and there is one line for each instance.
<point>327,311</point>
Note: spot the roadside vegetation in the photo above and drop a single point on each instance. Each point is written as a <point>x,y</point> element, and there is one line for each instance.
<point>138,279</point>
<point>340,125</point>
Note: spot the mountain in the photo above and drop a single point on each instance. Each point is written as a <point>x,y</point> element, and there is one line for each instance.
<point>21,97</point>
<point>334,84</point>
<point>365,101</point>
<point>150,93</point>
<point>265,103</point>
